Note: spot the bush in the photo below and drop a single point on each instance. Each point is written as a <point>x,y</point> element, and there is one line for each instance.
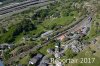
<point>24,26</point>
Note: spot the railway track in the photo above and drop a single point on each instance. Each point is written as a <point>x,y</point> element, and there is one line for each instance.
<point>12,6</point>
<point>20,6</point>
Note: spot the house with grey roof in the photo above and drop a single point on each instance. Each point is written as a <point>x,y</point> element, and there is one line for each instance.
<point>43,64</point>
<point>47,61</point>
<point>75,49</point>
<point>85,30</point>
<point>75,37</point>
<point>35,59</point>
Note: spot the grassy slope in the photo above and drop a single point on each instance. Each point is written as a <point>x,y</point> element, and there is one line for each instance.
<point>86,54</point>
<point>50,22</point>
<point>60,21</point>
<point>25,60</point>
<point>44,49</point>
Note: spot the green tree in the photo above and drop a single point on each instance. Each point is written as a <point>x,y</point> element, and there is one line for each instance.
<point>24,26</point>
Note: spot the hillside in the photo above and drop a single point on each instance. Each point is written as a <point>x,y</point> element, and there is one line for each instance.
<point>52,28</point>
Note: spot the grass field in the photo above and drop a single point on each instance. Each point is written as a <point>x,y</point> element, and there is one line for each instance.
<point>44,49</point>
<point>49,23</point>
<point>59,21</point>
<point>25,60</point>
<point>95,28</point>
